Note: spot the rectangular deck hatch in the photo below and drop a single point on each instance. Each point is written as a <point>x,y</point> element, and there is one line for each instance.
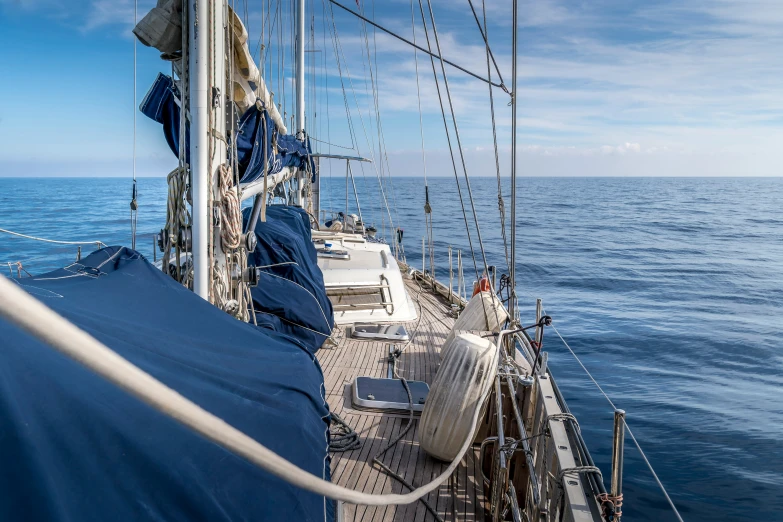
<point>388,394</point>
<point>382,332</point>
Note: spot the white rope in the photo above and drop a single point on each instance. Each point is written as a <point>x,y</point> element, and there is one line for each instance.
<point>26,312</point>
<point>220,289</point>
<point>176,211</point>
<point>99,243</point>
<point>636,443</point>
<point>231,231</point>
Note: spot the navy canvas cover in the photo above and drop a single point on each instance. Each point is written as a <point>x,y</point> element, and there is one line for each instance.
<point>255,133</point>
<point>159,104</point>
<point>257,136</point>
<point>74,447</point>
<point>290,292</point>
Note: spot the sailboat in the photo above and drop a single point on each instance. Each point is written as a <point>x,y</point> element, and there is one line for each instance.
<point>280,361</point>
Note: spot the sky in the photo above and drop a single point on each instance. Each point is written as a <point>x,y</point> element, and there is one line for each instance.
<point>605,88</point>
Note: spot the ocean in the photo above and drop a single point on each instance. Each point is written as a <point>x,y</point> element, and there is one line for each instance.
<point>668,289</point>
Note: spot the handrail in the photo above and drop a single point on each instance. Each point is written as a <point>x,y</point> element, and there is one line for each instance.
<point>25,236</point>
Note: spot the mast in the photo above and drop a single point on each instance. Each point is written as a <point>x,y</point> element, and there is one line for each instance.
<point>206,43</point>
<point>199,162</point>
<point>512,275</point>
<point>300,90</point>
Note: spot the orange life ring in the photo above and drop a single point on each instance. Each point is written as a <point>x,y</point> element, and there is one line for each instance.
<point>482,285</point>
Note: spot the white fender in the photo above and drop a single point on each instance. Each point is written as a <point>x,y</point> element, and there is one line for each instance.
<point>473,318</point>
<point>460,387</point>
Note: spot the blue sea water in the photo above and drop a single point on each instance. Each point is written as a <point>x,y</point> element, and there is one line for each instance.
<point>669,289</point>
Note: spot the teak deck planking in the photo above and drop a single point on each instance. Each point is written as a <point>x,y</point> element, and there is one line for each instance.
<point>461,497</point>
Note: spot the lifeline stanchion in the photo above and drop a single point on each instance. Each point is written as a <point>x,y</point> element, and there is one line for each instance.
<point>618,447</point>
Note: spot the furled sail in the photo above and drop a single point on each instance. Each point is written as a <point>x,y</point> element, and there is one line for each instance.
<point>249,86</point>
<point>161,28</point>
<point>75,447</point>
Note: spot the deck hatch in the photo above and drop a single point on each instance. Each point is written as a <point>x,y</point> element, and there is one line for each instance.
<point>388,394</point>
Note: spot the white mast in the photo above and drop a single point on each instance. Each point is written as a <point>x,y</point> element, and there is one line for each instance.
<point>300,88</point>
<point>206,35</point>
<point>199,147</point>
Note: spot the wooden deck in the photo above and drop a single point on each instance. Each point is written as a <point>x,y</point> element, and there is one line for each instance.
<point>459,498</point>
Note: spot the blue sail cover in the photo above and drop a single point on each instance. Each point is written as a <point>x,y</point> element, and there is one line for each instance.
<point>160,104</point>
<point>290,295</point>
<point>75,448</point>
<point>256,132</point>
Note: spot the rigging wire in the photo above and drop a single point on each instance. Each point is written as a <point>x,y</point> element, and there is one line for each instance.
<point>429,52</point>
<point>627,427</point>
<point>351,131</point>
<point>513,306</point>
<point>365,51</point>
<point>427,206</point>
<point>501,204</point>
<point>134,206</point>
<point>451,152</point>
<point>486,41</point>
<point>382,138</point>
<point>382,150</point>
<point>326,142</point>
<point>370,144</point>
<point>326,89</point>
<point>459,141</point>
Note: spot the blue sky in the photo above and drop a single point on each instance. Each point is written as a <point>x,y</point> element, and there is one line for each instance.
<point>606,87</point>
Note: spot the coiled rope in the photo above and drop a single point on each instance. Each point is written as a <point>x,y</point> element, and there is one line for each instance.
<point>177,218</point>
<point>28,313</point>
<point>342,437</point>
<point>231,231</point>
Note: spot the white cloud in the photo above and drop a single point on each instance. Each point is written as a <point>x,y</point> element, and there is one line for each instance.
<point>600,81</point>
<point>110,12</point>
<point>88,15</point>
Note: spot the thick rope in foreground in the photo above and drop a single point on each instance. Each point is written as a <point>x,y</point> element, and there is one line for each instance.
<point>377,458</point>
<point>26,312</point>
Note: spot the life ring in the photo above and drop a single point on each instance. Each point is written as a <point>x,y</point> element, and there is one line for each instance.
<point>482,285</point>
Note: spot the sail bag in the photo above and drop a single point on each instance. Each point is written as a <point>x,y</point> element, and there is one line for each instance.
<point>161,28</point>
<point>290,296</point>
